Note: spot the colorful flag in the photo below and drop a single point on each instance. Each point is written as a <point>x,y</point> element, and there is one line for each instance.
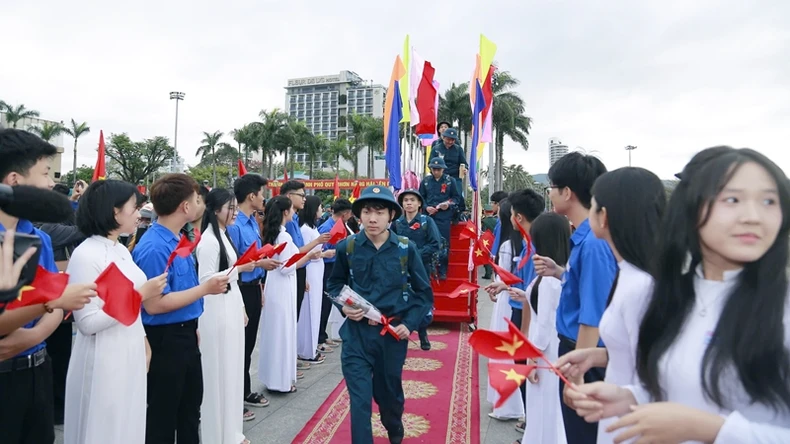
<point>487,52</point>
<point>464,290</point>
<point>507,277</point>
<point>507,378</point>
<point>425,102</point>
<point>242,168</point>
<point>100,172</point>
<point>121,301</point>
<point>46,286</point>
<point>403,81</point>
<point>415,66</point>
<point>355,192</point>
<point>393,112</point>
<point>487,135</point>
<point>338,232</point>
<point>480,105</point>
<point>336,192</point>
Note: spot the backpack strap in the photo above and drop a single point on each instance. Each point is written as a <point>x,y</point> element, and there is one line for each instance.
<point>403,253</point>
<point>349,252</point>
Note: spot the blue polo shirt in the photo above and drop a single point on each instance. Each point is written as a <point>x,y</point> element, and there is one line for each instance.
<point>243,233</point>
<point>586,283</point>
<point>526,274</point>
<point>497,237</point>
<point>151,254</point>
<point>326,227</point>
<point>46,259</point>
<point>292,227</point>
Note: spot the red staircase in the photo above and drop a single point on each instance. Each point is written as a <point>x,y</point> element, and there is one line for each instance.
<point>461,309</point>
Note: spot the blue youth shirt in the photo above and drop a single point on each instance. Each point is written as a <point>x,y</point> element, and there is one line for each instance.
<point>243,233</point>
<point>497,236</point>
<point>151,254</point>
<point>586,283</point>
<point>46,259</point>
<point>526,274</point>
<point>326,227</point>
<point>292,227</point>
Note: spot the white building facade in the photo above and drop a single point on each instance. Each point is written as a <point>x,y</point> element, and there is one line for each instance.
<point>557,149</point>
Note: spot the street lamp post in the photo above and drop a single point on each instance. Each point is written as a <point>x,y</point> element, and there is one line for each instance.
<point>177,96</point>
<point>629,148</point>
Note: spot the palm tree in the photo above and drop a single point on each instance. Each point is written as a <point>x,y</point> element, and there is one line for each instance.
<point>76,131</point>
<point>339,149</point>
<point>4,106</point>
<point>454,107</point>
<point>357,127</point>
<point>508,119</point>
<point>266,132</point>
<point>48,130</point>
<point>210,144</point>
<point>14,115</point>
<point>374,139</point>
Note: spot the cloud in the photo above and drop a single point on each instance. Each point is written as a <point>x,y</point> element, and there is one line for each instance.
<point>671,77</point>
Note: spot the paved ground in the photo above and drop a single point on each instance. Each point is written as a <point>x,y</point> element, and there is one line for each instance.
<point>287,414</point>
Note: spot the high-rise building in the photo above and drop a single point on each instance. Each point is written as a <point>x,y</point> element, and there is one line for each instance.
<point>324,103</point>
<point>57,141</point>
<point>557,149</point>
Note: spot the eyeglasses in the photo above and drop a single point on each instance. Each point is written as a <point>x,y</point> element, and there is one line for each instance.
<point>302,195</point>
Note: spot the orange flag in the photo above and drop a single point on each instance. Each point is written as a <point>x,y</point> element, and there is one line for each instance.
<point>99,171</point>
<point>46,286</point>
<point>121,301</point>
<point>507,378</point>
<point>464,290</point>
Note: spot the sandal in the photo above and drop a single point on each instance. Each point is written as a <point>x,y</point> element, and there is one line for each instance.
<point>520,426</point>
<point>323,348</point>
<point>247,441</point>
<point>248,415</point>
<point>302,365</point>
<point>319,359</point>
<point>299,375</point>
<point>256,400</point>
<point>331,343</point>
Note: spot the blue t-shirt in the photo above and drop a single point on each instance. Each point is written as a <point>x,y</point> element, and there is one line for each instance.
<point>586,284</point>
<point>46,259</point>
<point>151,254</point>
<point>243,233</point>
<point>292,227</point>
<point>526,274</point>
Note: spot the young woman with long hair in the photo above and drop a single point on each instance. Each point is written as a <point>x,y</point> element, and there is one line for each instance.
<point>277,368</point>
<point>713,356</point>
<point>550,233</point>
<point>221,326</point>
<point>627,208</point>
<point>310,318</point>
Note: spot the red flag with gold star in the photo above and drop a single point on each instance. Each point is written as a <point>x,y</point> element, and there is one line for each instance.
<point>511,344</point>
<point>464,290</point>
<point>46,286</point>
<point>487,239</point>
<point>338,232</point>
<point>507,378</point>
<point>469,231</point>
<point>507,277</point>
<point>480,254</point>
<point>528,253</point>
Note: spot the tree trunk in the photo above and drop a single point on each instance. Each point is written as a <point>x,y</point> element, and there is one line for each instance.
<point>74,164</point>
<point>214,167</point>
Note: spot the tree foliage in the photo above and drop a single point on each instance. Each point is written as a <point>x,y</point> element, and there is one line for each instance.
<point>134,161</point>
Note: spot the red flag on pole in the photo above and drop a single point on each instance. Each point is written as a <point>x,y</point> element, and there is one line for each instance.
<point>338,232</point>
<point>285,174</point>
<point>464,290</point>
<point>184,248</point>
<point>100,172</point>
<point>355,192</point>
<point>242,168</point>
<point>507,378</point>
<point>294,259</point>
<point>337,187</point>
<point>121,301</point>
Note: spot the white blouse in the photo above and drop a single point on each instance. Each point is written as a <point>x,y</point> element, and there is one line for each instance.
<point>681,367</point>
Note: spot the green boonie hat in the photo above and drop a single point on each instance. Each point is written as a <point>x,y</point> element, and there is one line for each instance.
<point>437,162</point>
<point>411,191</point>
<point>376,192</point>
<point>488,207</point>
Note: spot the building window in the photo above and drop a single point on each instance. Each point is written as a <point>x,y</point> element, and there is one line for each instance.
<point>341,121</point>
<point>342,99</point>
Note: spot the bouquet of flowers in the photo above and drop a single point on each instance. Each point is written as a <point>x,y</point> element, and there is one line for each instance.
<point>351,298</point>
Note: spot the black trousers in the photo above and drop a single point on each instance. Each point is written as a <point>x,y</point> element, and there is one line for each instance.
<point>301,284</point>
<point>516,316</point>
<point>175,384</point>
<point>59,350</point>
<point>326,306</point>
<point>577,430</point>
<point>26,406</point>
<point>251,294</point>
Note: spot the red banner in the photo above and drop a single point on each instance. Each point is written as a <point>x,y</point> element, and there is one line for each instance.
<point>329,184</point>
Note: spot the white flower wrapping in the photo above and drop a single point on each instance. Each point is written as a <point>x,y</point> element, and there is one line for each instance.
<point>351,298</point>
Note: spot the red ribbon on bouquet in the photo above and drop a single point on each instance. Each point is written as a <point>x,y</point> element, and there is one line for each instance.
<point>387,328</point>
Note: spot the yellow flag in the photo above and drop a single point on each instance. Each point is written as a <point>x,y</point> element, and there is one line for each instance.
<point>487,52</point>
<point>404,82</point>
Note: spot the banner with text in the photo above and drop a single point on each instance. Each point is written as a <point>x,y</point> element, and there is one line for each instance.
<point>329,184</point>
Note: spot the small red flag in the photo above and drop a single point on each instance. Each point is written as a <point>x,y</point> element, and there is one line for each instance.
<point>507,378</point>
<point>338,232</point>
<point>121,301</point>
<point>46,286</point>
<point>528,253</point>
<point>506,276</point>
<point>487,239</point>
<point>294,259</point>
<point>355,192</point>
<point>480,254</point>
<point>510,344</point>
<point>265,251</point>
<point>279,248</point>
<point>336,193</point>
<point>242,168</point>
<point>463,290</point>
<point>99,171</point>
<point>285,174</point>
<point>251,255</point>
<point>469,231</point>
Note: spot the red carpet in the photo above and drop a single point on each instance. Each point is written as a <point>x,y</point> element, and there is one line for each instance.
<point>442,397</point>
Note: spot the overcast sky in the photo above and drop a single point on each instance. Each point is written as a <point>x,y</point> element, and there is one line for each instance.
<point>671,77</point>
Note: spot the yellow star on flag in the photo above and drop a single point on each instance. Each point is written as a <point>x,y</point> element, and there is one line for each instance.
<point>512,375</point>
<point>24,289</point>
<point>464,291</point>
<point>485,242</point>
<point>478,252</point>
<point>510,348</point>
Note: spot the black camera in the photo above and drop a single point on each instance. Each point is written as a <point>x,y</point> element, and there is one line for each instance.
<point>21,243</point>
